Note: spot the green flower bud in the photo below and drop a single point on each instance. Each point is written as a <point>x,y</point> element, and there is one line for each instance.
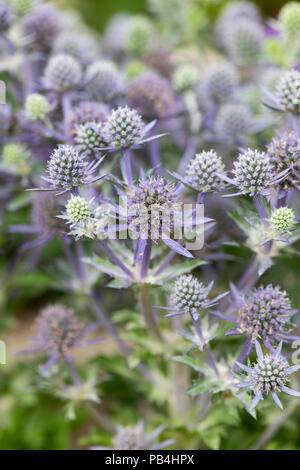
<point>36,106</point>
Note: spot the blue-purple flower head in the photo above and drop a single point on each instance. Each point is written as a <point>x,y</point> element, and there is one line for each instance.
<point>244,42</point>
<point>41,28</point>
<point>63,72</point>
<point>88,138</point>
<point>124,127</point>
<point>233,122</point>
<point>103,82</point>
<point>232,13</point>
<point>253,172</point>
<point>220,81</point>
<point>266,314</point>
<point>151,95</point>
<point>85,112</point>
<point>203,170</point>
<point>270,374</point>
<point>66,168</point>
<point>189,294</point>
<point>288,91</point>
<point>284,154</point>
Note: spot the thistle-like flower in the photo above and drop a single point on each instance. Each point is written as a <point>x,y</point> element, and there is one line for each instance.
<point>88,137</point>
<point>185,77</point>
<point>37,106</point>
<point>265,315</point>
<point>135,438</point>
<point>22,7</point>
<point>203,170</point>
<point>62,73</point>
<point>244,42</point>
<point>289,17</point>
<point>284,154</point>
<point>16,158</point>
<point>288,91</point>
<point>41,27</point>
<point>151,95</point>
<point>233,122</point>
<point>253,172</point>
<point>124,128</point>
<point>232,13</point>
<point>282,220</point>
<point>220,81</point>
<point>139,35</point>
<point>86,111</point>
<point>102,81</point>
<point>58,332</point>
<point>82,48</point>
<point>78,209</point>
<point>269,375</point>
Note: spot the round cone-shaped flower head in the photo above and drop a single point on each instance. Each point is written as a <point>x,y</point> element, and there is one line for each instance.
<point>37,106</point>
<point>84,112</point>
<point>232,122</point>
<point>45,209</point>
<point>270,78</point>
<point>282,220</point>
<point>151,95</point>
<point>234,12</point>
<point>22,7</point>
<point>103,81</point>
<point>189,295</point>
<point>78,210</point>
<point>66,168</point>
<point>116,34</point>
<point>265,314</point>
<point>284,154</point>
<point>59,330</point>
<point>82,48</point>
<point>270,374</point>
<point>42,27</point>
<point>220,81</point>
<point>202,172</point>
<point>16,157</point>
<point>289,17</point>
<point>129,438</point>
<point>62,73</point>
<point>139,37</point>
<point>154,203</point>
<point>288,91</point>
<point>244,42</point>
<point>124,127</point>
<point>185,77</point>
<point>253,172</point>
<point>88,137</point>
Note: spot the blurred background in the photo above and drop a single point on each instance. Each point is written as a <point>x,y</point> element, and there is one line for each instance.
<point>97,12</point>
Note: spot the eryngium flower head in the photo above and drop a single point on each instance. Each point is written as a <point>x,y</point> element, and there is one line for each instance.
<point>282,219</point>
<point>151,95</point>
<point>232,122</point>
<point>102,81</point>
<point>124,127</point>
<point>37,106</point>
<point>233,13</point>
<point>202,172</point>
<point>289,17</point>
<point>78,209</point>
<point>82,48</point>
<point>22,7</point>
<point>220,81</point>
<point>16,157</point>
<point>189,295</point>
<point>265,314</point>
<point>151,202</point>
<point>244,42</point>
<point>86,111</point>
<point>288,91</point>
<point>88,137</point>
<point>42,27</point>
<point>284,154</point>
<point>269,375</point>
<point>62,73</point>
<point>185,77</point>
<point>135,438</point>
<point>66,168</point>
<point>253,172</point>
<point>139,36</point>
<point>45,208</point>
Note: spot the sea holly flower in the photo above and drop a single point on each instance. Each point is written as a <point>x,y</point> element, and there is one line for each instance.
<point>103,81</point>
<point>286,97</point>
<point>62,73</point>
<point>88,138</point>
<point>16,158</point>
<point>85,112</point>
<point>41,27</point>
<point>244,41</point>
<point>135,438</point>
<point>289,18</point>
<point>185,78</point>
<point>124,128</point>
<point>282,220</point>
<point>203,171</point>
<point>58,332</point>
<point>270,374</point>
<point>220,81</point>
<point>36,106</point>
<point>67,169</point>
<point>233,122</point>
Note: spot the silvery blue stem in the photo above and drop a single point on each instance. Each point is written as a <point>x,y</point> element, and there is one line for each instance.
<point>259,204</point>
<point>154,155</point>
<point>209,354</point>
<point>145,263</point>
<point>73,372</point>
<point>165,263</point>
<point>188,154</point>
<point>114,258</point>
<point>247,348</point>
<point>149,314</point>
<point>128,166</point>
<point>66,101</point>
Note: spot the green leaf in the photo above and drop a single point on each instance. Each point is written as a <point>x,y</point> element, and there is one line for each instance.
<point>106,267</point>
<point>188,361</point>
<point>178,269</point>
